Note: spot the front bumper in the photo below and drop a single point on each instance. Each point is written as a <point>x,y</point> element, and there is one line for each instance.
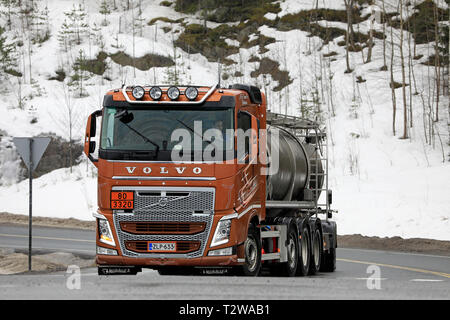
<point>222,261</point>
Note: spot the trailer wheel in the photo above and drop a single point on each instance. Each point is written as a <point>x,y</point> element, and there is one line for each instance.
<point>289,269</point>
<point>252,253</point>
<point>304,253</point>
<point>329,261</point>
<point>316,253</point>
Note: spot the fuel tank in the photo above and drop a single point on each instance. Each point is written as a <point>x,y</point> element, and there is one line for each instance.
<point>292,168</point>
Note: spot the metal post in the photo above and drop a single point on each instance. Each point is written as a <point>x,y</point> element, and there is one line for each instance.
<point>30,178</point>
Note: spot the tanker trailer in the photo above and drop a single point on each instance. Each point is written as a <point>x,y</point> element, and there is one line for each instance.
<point>300,171</point>
<point>295,240</point>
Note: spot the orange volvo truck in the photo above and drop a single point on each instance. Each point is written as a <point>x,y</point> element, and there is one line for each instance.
<point>199,178</point>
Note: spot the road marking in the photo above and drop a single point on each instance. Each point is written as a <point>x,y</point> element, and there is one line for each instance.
<point>396,252</point>
<point>55,249</point>
<point>46,238</point>
<point>371,279</point>
<point>426,280</point>
<point>441,274</point>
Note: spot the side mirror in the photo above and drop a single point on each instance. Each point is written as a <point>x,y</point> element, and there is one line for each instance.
<point>91,129</point>
<point>330,197</point>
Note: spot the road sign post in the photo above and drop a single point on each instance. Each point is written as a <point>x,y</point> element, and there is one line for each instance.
<point>31,151</point>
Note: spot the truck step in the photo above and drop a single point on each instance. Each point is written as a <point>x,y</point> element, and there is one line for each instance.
<point>270,234</point>
<point>271,256</point>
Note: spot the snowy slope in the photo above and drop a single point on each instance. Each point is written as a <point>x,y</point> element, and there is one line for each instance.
<point>382,185</point>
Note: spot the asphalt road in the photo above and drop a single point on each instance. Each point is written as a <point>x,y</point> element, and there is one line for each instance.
<point>360,274</point>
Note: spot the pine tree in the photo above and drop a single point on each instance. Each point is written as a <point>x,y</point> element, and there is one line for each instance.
<point>41,26</point>
<point>104,10</point>
<point>80,75</point>
<point>75,26</point>
<point>8,59</point>
<point>10,6</point>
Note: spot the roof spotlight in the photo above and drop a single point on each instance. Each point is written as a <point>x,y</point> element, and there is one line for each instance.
<point>191,93</point>
<point>173,93</point>
<point>155,93</point>
<point>138,92</point>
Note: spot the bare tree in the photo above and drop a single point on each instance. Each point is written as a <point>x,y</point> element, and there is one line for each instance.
<point>349,35</point>
<point>436,58</point>
<point>371,18</point>
<point>392,84</point>
<point>402,61</point>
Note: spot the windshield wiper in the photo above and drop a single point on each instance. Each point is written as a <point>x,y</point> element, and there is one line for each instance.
<point>125,118</point>
<point>195,132</point>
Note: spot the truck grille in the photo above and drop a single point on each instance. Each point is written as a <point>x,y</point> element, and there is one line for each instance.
<point>181,246</point>
<point>163,227</point>
<point>183,215</point>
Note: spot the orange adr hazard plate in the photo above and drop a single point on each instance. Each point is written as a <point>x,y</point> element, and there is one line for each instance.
<point>122,200</point>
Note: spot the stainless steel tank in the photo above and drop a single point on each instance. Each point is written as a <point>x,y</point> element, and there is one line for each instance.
<point>295,171</point>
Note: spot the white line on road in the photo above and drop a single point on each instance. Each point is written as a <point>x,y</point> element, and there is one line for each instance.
<point>47,248</point>
<point>46,238</point>
<point>426,280</point>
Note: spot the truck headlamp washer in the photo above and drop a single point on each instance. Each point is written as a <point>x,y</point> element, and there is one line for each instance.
<point>191,93</point>
<point>173,93</point>
<point>138,92</point>
<point>155,93</point>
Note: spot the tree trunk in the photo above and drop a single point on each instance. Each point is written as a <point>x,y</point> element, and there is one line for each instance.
<point>394,102</point>
<point>402,60</point>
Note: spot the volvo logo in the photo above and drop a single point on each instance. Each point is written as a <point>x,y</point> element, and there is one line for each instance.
<point>163,201</point>
<point>164,170</point>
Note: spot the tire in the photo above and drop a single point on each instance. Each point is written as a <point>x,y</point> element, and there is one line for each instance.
<point>252,253</point>
<point>289,268</point>
<point>316,253</point>
<point>329,261</point>
<point>304,253</point>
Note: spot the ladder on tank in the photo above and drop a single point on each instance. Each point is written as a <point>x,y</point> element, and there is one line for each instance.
<point>307,131</point>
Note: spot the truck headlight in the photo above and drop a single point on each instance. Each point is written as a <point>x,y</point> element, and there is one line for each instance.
<point>222,234</point>
<point>104,232</point>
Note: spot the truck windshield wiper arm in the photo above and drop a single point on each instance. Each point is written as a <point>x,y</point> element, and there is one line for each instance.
<point>195,132</point>
<point>126,117</point>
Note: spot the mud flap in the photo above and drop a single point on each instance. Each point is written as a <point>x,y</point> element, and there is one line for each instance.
<point>118,270</point>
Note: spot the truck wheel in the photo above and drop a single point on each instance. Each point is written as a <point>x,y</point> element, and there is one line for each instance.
<point>304,253</point>
<point>289,268</point>
<point>252,253</point>
<point>316,253</point>
<point>329,261</point>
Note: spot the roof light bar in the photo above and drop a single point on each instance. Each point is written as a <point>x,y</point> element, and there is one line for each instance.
<point>206,96</point>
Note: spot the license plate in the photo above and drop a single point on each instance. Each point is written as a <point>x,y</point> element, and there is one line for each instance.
<point>161,246</point>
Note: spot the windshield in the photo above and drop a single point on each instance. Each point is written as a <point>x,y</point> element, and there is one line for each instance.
<point>161,131</point>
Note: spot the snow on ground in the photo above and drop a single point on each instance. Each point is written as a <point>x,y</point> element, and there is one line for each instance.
<point>58,194</point>
<point>382,186</point>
